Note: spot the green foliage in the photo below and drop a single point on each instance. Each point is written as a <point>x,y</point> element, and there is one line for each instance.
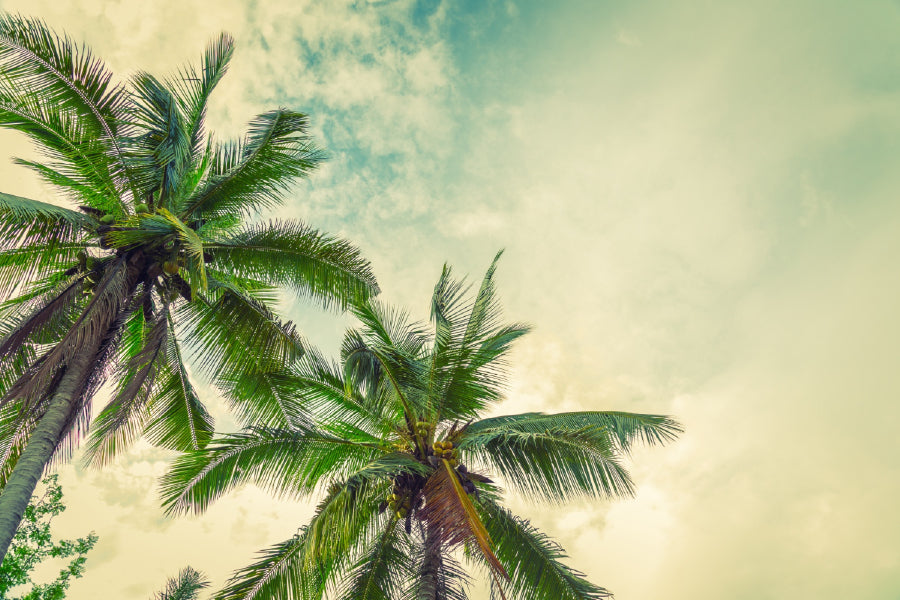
<point>393,437</point>
<point>34,543</point>
<point>185,586</point>
<point>162,258</point>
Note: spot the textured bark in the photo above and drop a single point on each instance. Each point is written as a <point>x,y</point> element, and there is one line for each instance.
<point>42,444</point>
<point>430,584</point>
<point>50,429</point>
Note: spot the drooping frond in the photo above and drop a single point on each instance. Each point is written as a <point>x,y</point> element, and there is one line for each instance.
<point>42,320</point>
<point>289,463</point>
<point>533,560</point>
<point>381,569</point>
<point>24,222</point>
<point>55,69</point>
<point>178,420</point>
<point>549,460</point>
<point>185,586</point>
<point>293,255</point>
<point>451,517</point>
<point>21,266</point>
<point>90,329</point>
<point>254,174</point>
<point>124,419</point>
<point>220,331</point>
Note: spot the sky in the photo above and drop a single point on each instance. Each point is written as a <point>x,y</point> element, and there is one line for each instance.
<point>698,202</point>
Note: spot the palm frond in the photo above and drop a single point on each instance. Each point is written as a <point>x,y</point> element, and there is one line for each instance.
<point>247,176</point>
<point>280,572</point>
<point>451,516</point>
<point>125,417</point>
<point>178,419</point>
<point>161,152</point>
<point>24,222</point>
<point>534,561</point>
<point>550,461</point>
<point>58,70</point>
<point>622,428</point>
<point>185,586</point>
<point>293,255</point>
<point>381,569</point>
<point>301,567</point>
<point>193,87</point>
<point>289,463</point>
<point>234,334</point>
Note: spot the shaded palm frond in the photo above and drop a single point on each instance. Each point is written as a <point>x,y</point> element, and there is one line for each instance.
<point>289,463</point>
<point>125,417</point>
<point>533,560</point>
<point>551,463</point>
<point>451,517</point>
<point>380,570</point>
<point>291,254</point>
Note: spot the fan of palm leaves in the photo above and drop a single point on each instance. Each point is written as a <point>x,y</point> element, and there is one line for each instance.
<point>394,438</point>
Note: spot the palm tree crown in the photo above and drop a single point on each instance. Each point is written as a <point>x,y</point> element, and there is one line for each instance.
<point>161,255</point>
<point>394,439</point>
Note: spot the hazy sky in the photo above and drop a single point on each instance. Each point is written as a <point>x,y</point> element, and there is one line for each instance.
<point>699,206</point>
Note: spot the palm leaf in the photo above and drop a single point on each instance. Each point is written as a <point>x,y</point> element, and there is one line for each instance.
<point>289,463</point>
<point>24,221</point>
<point>381,569</point>
<point>178,419</point>
<point>70,76</point>
<point>185,586</point>
<point>449,512</point>
<point>125,417</point>
<point>533,560</point>
<point>254,174</point>
<point>550,461</point>
<point>290,254</point>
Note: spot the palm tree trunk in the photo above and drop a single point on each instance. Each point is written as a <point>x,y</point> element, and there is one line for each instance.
<point>49,430</point>
<point>42,444</point>
<point>430,580</point>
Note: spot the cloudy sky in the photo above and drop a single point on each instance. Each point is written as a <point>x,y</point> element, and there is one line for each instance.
<point>699,206</point>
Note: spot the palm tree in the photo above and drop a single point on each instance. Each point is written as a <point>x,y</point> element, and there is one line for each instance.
<point>162,257</point>
<point>394,438</point>
<point>185,586</point>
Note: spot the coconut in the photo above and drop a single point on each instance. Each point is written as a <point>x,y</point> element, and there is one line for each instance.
<point>107,219</point>
<point>141,208</point>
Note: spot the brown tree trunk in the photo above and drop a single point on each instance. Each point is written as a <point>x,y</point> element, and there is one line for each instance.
<point>64,400</point>
<point>42,444</point>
